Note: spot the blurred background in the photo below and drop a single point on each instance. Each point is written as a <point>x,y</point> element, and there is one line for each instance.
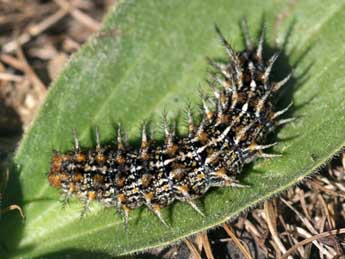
<point>37,37</point>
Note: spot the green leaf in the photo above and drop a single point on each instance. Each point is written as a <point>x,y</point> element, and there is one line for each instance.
<point>150,57</point>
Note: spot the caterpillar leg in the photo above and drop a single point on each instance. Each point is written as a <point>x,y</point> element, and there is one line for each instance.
<point>246,35</point>
<point>76,141</point>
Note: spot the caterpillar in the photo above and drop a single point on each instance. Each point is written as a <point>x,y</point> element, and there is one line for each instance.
<point>213,153</point>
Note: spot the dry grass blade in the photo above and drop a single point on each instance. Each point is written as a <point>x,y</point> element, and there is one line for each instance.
<point>10,77</point>
<point>330,253</point>
<point>270,216</point>
<point>192,249</point>
<point>12,61</point>
<point>244,251</point>
<point>316,185</point>
<point>303,219</point>
<point>206,245</point>
<point>330,219</point>
<point>311,239</point>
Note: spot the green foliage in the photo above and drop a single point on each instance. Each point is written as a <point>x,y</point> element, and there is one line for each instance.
<point>150,57</point>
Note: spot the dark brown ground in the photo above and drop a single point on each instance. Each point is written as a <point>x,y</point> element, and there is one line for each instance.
<point>36,39</point>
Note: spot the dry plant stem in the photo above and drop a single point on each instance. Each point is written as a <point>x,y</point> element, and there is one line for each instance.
<point>329,251</point>
<point>278,253</point>
<point>290,237</point>
<point>319,186</point>
<point>303,203</point>
<point>237,241</point>
<point>251,228</point>
<point>307,251</point>
<point>12,61</point>
<point>79,15</point>
<point>330,219</point>
<point>206,245</point>
<point>198,242</point>
<point>270,219</point>
<point>34,30</point>
<point>192,249</point>
<point>304,233</point>
<point>10,77</point>
<point>300,250</point>
<point>313,238</point>
<point>304,220</point>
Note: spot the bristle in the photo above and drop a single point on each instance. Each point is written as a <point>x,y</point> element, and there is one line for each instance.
<point>191,126</point>
<point>157,211</point>
<point>281,112</point>
<point>269,66</point>
<point>207,111</point>
<point>260,147</point>
<point>98,142</point>
<point>125,216</point>
<point>268,156</point>
<point>144,141</point>
<point>226,44</point>
<point>152,135</point>
<point>76,140</point>
<point>231,53</point>
<point>260,46</point>
<point>219,67</point>
<point>246,34</point>
<point>120,145</point>
<point>126,139</point>
<point>284,121</point>
<point>276,86</point>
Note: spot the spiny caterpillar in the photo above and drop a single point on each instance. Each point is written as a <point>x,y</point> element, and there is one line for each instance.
<point>211,155</point>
